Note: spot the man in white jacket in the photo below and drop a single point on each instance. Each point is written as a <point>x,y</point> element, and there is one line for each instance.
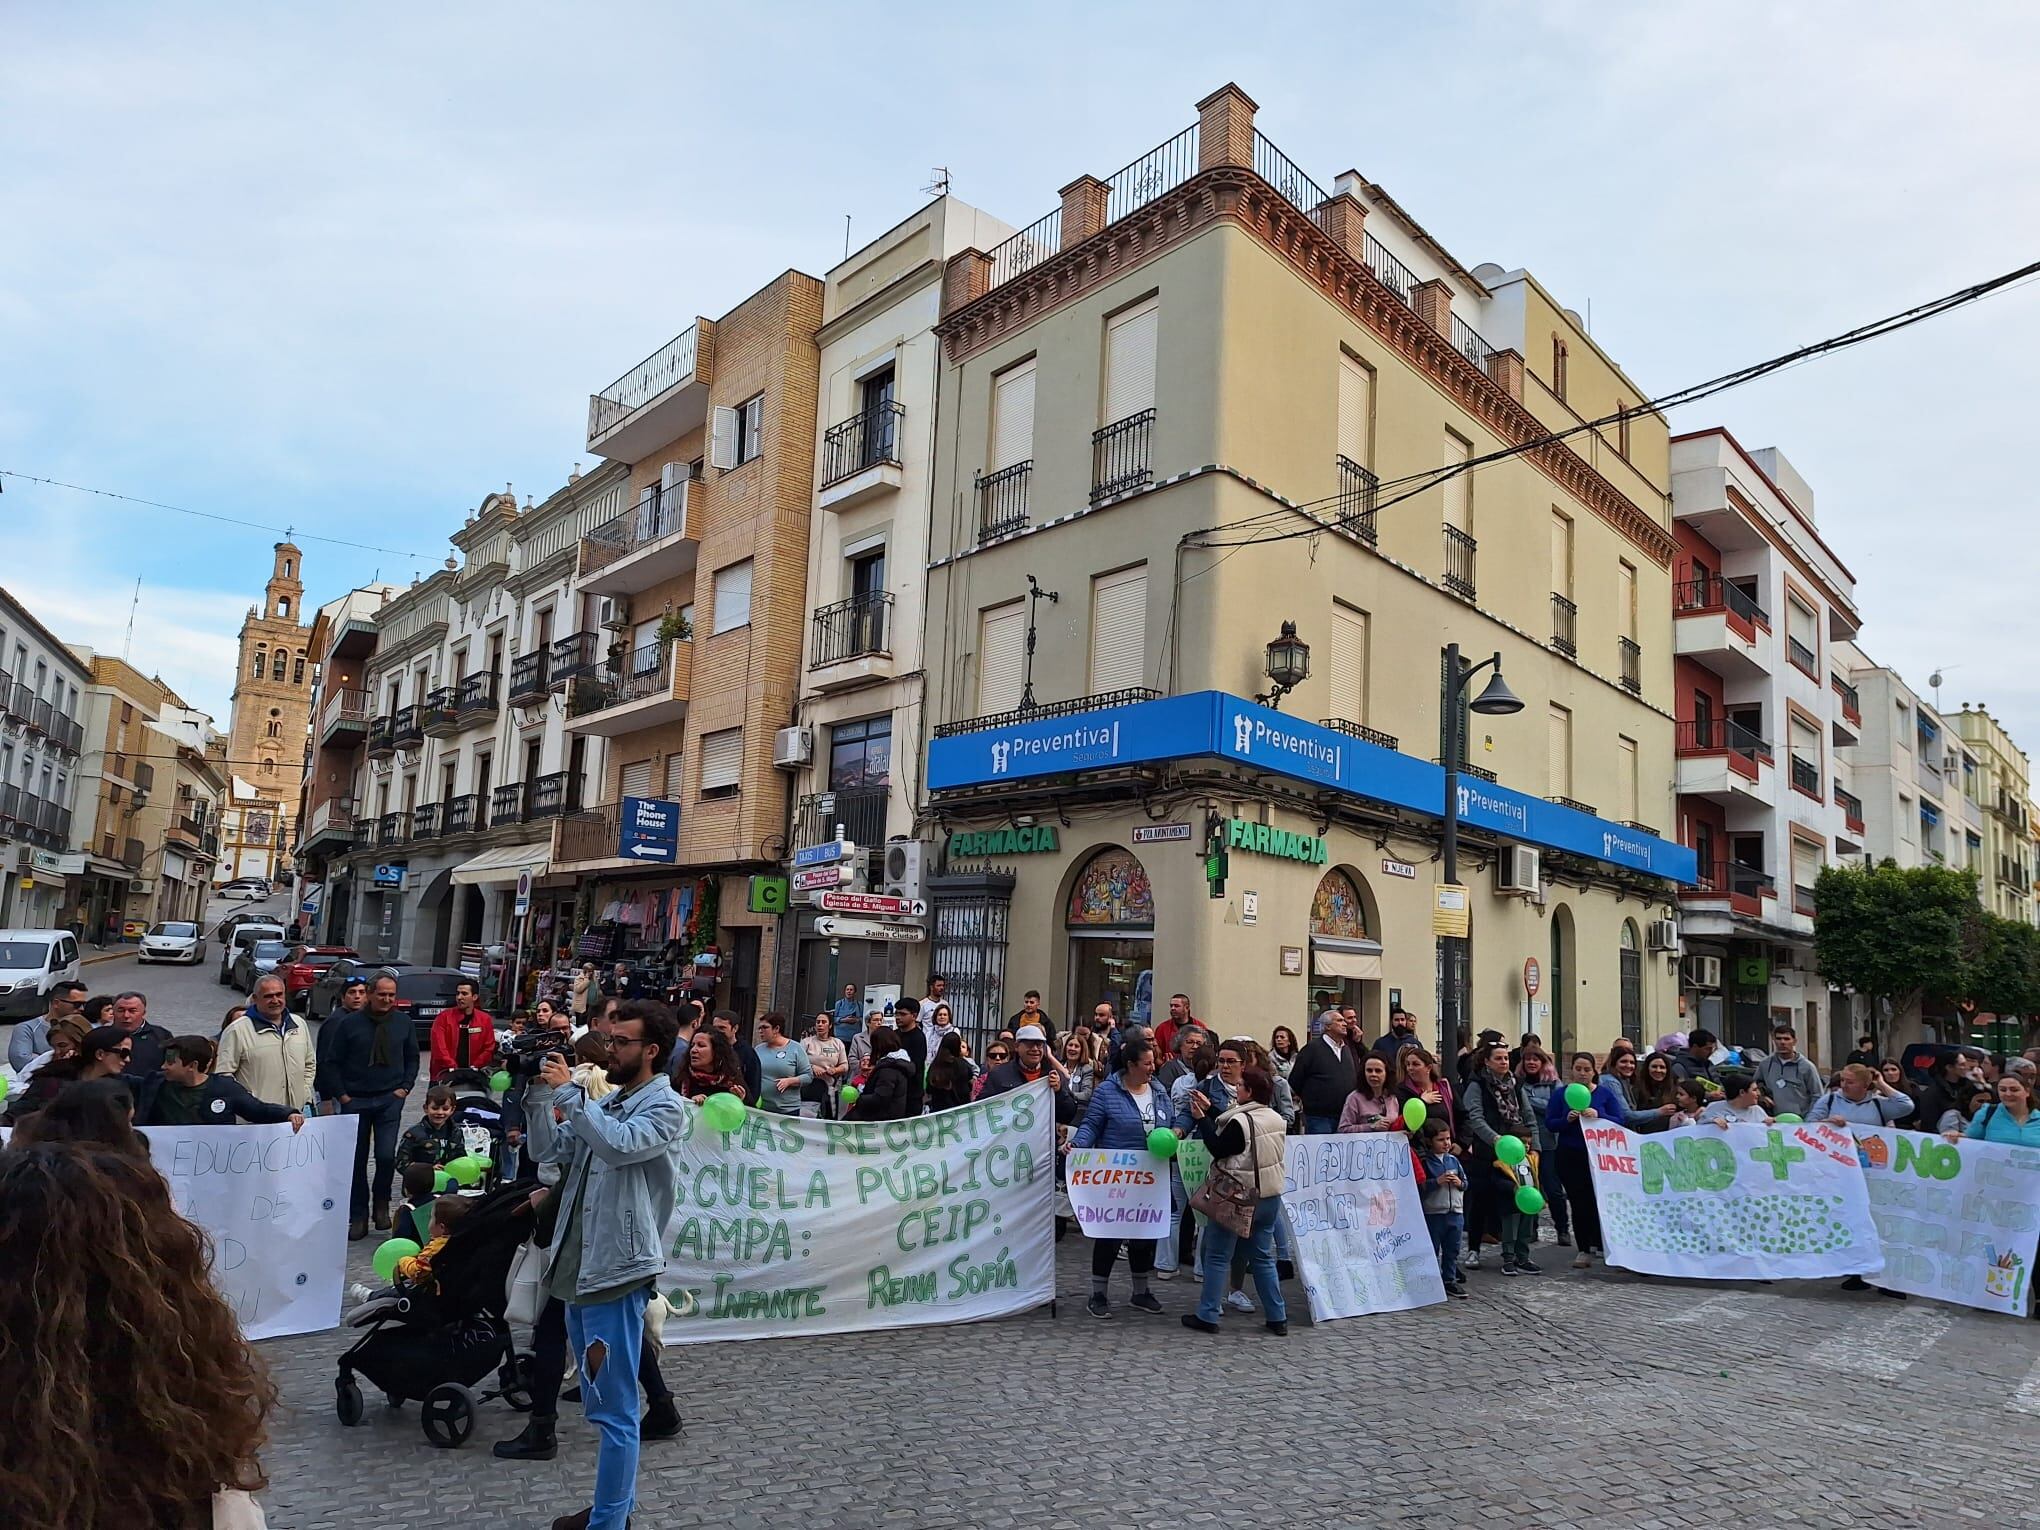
<point>268,1051</point>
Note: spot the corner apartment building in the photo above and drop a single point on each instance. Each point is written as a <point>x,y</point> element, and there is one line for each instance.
<point>1167,408</point>
<point>118,860</point>
<point>1914,777</point>
<point>41,687</point>
<point>2004,788</point>
<point>691,608</point>
<point>1767,710</point>
<point>855,750</point>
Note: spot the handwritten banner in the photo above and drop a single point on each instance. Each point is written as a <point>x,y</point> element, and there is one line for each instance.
<point>797,1226</point>
<point>1741,1203</point>
<point>1119,1194</point>
<point>1361,1243</point>
<point>1958,1221</point>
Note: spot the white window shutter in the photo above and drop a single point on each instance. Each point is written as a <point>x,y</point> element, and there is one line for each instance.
<point>1118,630</point>
<point>636,780</point>
<point>1356,406</point>
<point>1002,657</point>
<point>1458,488</point>
<point>1561,555</point>
<point>1626,780</point>
<point>1130,362</point>
<point>1561,751</point>
<point>675,775</point>
<point>1625,599</point>
<point>722,437</point>
<point>671,476</point>
<point>733,596</point>
<point>1013,416</point>
<point>722,759</point>
<point>1348,671</point>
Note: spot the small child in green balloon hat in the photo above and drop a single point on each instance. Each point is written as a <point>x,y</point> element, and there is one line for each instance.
<point>434,1140</point>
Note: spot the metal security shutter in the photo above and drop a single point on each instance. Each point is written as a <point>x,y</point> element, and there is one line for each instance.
<point>1458,489</point>
<point>1625,780</point>
<point>674,775</point>
<point>1130,363</point>
<point>1561,751</point>
<point>1013,416</point>
<point>722,759</point>
<point>1348,668</point>
<point>1002,657</point>
<point>636,780</point>
<point>1356,408</point>
<point>733,596</point>
<point>1118,630</point>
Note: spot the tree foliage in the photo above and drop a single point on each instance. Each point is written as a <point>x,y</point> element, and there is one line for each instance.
<point>2004,971</point>
<point>1892,931</point>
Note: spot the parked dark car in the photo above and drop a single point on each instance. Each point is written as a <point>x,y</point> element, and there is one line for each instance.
<point>256,960</point>
<point>422,992</point>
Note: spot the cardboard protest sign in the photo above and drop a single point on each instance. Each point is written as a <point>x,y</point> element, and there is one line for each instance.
<point>1119,1194</point>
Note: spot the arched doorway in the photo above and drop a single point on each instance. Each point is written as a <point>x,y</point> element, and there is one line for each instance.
<point>1345,962</point>
<point>1109,919</point>
<point>1559,1036</point>
<point>1632,983</point>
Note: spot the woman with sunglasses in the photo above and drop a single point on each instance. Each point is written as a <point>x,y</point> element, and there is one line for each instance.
<point>998,1052</point>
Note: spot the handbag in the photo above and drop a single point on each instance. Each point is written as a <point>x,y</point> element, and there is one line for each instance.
<point>524,1291</point>
<point>1226,1199</point>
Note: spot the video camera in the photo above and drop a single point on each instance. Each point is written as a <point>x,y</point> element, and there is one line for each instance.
<point>524,1055</point>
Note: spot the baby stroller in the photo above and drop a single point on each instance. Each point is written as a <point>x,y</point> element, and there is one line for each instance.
<point>478,1116</point>
<point>436,1348</point>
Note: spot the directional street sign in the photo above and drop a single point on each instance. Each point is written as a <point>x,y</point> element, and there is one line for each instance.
<point>872,903</point>
<point>823,855</point>
<point>869,929</point>
<point>648,830</point>
<point>819,877</point>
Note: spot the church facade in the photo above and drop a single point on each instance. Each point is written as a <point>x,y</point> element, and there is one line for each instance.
<point>266,738</point>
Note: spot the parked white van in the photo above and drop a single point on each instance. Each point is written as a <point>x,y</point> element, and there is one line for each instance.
<point>30,962</point>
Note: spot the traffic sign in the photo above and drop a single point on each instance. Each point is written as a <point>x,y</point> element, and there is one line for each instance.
<point>1533,976</point>
<point>523,893</point>
<point>869,929</point>
<point>819,877</point>
<point>648,829</point>
<point>872,903</point>
<point>823,855</point>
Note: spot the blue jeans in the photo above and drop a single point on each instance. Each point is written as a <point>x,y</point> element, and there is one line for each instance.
<point>1445,1229</point>
<point>609,1396</point>
<point>1321,1126</point>
<point>1260,1241</point>
<point>380,1116</point>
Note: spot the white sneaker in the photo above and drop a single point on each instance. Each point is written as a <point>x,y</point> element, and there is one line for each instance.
<point>1162,1274</point>
<point>358,1293</point>
<point>1239,1301</point>
<point>1470,1261</point>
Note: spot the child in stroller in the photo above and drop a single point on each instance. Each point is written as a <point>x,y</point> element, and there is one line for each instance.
<point>435,1340</point>
<point>477,1122</point>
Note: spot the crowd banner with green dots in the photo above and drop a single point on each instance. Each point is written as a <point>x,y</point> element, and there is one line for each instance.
<point>1958,1220</point>
<point>787,1225</point>
<point>1741,1202</point>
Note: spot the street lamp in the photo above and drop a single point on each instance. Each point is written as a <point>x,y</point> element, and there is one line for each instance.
<point>1495,700</point>
<point>1288,665</point>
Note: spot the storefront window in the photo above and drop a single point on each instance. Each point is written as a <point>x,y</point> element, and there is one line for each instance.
<point>1110,921</point>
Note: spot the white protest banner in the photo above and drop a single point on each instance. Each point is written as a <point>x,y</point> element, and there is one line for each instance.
<point>1743,1202</point>
<point>1958,1221</point>
<point>1361,1243</point>
<point>796,1226</point>
<point>1117,1193</point>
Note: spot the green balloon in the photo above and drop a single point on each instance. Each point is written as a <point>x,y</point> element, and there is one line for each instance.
<point>1578,1096</point>
<point>499,1081</point>
<point>1788,1119</point>
<point>725,1112</point>
<point>388,1253</point>
<point>467,1171</point>
<point>849,1094</point>
<point>441,1182</point>
<point>1510,1150</point>
<point>1529,1200</point>
<point>3,1086</point>
<point>1162,1142</point>
<point>1414,1114</point>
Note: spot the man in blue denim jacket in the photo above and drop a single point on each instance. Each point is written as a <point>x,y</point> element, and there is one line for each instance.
<point>609,1246</point>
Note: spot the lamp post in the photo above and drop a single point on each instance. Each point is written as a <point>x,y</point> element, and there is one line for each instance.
<point>1495,700</point>
<point>1287,667</point>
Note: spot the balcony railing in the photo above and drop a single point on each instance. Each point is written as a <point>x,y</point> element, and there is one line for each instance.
<point>461,815</point>
<point>425,821</point>
<point>1852,703</point>
<point>570,658</point>
<point>527,676</point>
<point>1799,653</point>
<point>1026,249</point>
<point>1630,657</point>
<point>437,715</point>
<point>407,727</point>
<point>1732,878</point>
<point>477,698</point>
<point>865,440</point>
<point>1692,597</point>
<point>347,707</point>
<point>860,811</point>
<point>852,628</point>
<point>390,829</point>
<point>506,804</point>
<point>1468,768</point>
<point>1459,550</point>
<point>1361,731</point>
<point>39,716</point>
<point>1565,626</point>
<point>593,834</point>
<point>333,816</point>
<point>657,514</point>
<point>20,702</point>
<point>643,382</point>
<point>1002,500</point>
<point>1802,899</point>
<point>1468,342</point>
<point>1576,805</point>
<point>1851,806</point>
<point>554,795</point>
<point>1718,735</point>
<point>1120,456</point>
<point>643,672</point>
<point>1359,490</point>
<point>1392,273</point>
<point>1805,775</point>
<point>1044,710</point>
<point>382,736</point>
<point>2010,809</point>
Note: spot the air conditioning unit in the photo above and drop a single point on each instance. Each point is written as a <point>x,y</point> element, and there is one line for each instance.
<point>1702,971</point>
<point>1663,935</point>
<point>614,612</point>
<point>1516,871</point>
<point>792,748</point>
<point>906,868</point>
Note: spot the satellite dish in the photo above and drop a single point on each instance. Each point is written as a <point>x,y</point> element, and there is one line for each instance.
<point>1487,273</point>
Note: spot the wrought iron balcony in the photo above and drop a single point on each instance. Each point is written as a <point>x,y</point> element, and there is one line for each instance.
<point>1002,500</point>
<point>554,795</point>
<point>1630,657</point>
<point>1120,456</point>
<point>860,811</point>
<point>382,736</point>
<point>1468,768</point>
<point>20,703</point>
<point>1468,342</point>
<point>1565,626</point>
<point>437,716</point>
<point>1360,731</point>
<point>1358,491</point>
<point>671,365</point>
<point>1731,878</point>
<point>425,821</point>
<point>461,815</point>
<point>1576,805</point>
<point>1460,548</point>
<point>407,727</point>
<point>506,804</point>
<point>39,714</point>
<point>570,658</point>
<point>1043,710</point>
<point>1694,597</point>
<point>865,440</point>
<point>852,628</point>
<point>527,677</point>
<point>1717,735</point>
<point>392,828</point>
<point>1800,654</point>
<point>653,535</point>
<point>477,699</point>
<point>643,672</point>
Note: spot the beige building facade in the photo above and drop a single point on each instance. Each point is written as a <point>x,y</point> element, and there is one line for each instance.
<point>2004,789</point>
<point>1171,409</point>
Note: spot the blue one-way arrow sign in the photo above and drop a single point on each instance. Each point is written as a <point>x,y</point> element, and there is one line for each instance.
<point>649,830</point>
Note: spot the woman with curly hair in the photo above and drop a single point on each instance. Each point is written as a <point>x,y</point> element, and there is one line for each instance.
<point>95,1112</point>
<point>131,1343</point>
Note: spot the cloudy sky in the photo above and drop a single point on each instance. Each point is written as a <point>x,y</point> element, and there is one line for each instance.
<point>349,269</point>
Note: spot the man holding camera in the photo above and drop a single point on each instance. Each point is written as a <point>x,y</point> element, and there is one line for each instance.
<point>528,1098</point>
